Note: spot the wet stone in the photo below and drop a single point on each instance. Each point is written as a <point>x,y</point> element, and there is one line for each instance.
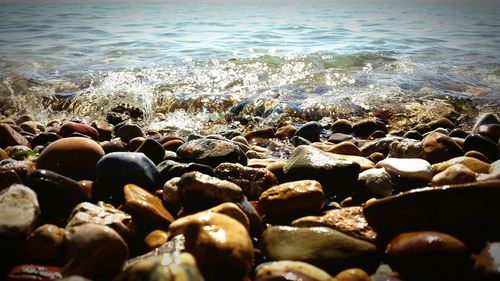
<point>198,191</point>
<point>134,143</point>
<point>337,176</point>
<point>260,137</point>
<point>409,168</point>
<point>26,272</point>
<point>485,119</point>
<point>439,209</point>
<point>9,137</point>
<point>164,267</point>
<point>103,214</point>
<point>439,147</point>
<point>321,246</point>
<point>22,168</point>
<point>454,174</point>
<point>57,194</point>
<point>296,141</point>
<point>342,126</point>
<point>44,139</point>
<point>146,208</point>
<point>291,200</point>
<point>232,210</point>
<point>211,152</point>
<point>32,127</point>
<point>477,155</point>
<point>128,132</point>
<point>491,131</point>
<point>352,274</point>
<point>117,169</point>
<point>69,128</point>
<point>94,251</point>
<point>348,220</point>
<point>74,157</point>
<point>172,145</point>
<point>152,149</point>
<point>221,245</point>
<point>45,244</point>
<point>253,181</point>
<point>104,130</point>
<point>414,135</point>
<point>8,178</point>
<point>482,144</point>
<point>340,137</point>
<point>406,148</point>
<point>442,123</point>
<point>115,145</point>
<point>474,164</point>
<point>170,194</point>
<point>19,212</point>
<point>169,169</point>
<point>155,239</point>
<point>299,270</point>
<point>443,256</point>
<point>286,132</point>
<point>365,128</point>
<point>378,145</point>
<point>310,131</point>
<point>376,183</point>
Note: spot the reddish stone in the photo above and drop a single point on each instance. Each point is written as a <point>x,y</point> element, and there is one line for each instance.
<point>70,128</point>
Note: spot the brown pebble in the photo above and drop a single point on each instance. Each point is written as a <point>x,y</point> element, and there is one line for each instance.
<point>70,128</point>
<point>286,132</point>
<point>478,155</point>
<point>443,256</point>
<point>138,200</point>
<point>45,243</point>
<point>376,157</point>
<point>9,137</point>
<point>74,157</point>
<point>353,274</point>
<point>155,239</point>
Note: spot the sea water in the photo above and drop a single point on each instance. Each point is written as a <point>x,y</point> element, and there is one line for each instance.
<point>205,65</point>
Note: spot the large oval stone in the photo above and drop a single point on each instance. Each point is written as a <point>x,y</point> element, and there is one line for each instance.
<point>221,245</point>
<point>337,176</point>
<point>210,152</point>
<point>440,209</point>
<point>443,257</point>
<point>291,200</point>
<point>117,169</point>
<point>74,157</point>
<point>411,168</point>
<point>321,246</point>
<point>94,251</point>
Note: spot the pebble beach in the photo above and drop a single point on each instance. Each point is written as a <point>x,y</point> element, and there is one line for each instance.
<point>249,140</point>
<point>344,201</point>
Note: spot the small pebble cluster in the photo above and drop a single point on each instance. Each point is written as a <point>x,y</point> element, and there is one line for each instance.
<point>349,201</point>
